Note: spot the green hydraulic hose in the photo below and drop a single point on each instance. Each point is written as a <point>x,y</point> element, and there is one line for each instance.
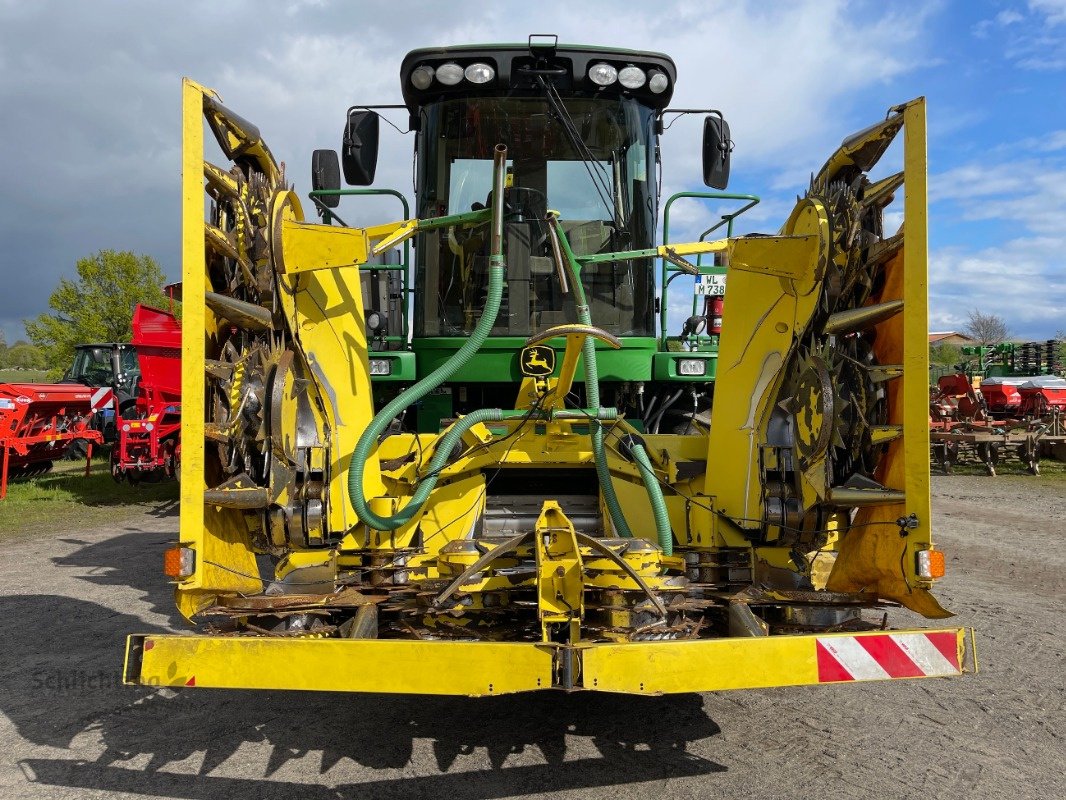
<point>599,452</point>
<point>497,269</point>
<point>655,497</point>
<point>425,486</point>
<point>592,388</point>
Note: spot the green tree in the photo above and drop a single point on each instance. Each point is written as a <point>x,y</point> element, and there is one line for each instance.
<point>98,306</point>
<point>23,355</point>
<point>945,354</point>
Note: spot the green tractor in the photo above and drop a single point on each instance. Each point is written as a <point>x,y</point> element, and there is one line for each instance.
<point>582,128</point>
<point>105,366</point>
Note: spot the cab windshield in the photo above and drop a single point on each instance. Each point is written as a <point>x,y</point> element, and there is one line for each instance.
<point>92,365</point>
<point>604,191</point>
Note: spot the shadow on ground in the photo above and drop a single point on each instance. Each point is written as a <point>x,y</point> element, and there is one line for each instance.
<point>132,559</point>
<point>65,682</point>
<point>160,498</point>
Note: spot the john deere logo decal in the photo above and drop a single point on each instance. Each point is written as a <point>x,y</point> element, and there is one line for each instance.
<point>537,361</point>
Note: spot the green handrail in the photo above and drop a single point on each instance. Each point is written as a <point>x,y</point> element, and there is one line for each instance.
<point>667,267</point>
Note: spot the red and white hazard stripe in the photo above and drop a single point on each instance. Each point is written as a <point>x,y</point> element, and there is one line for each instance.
<point>102,398</point>
<point>888,655</point>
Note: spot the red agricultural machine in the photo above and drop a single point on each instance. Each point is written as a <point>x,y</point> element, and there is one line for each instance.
<point>38,422</point>
<point>148,445</point>
<point>1026,414</point>
<point>954,400</point>
<point>1024,396</point>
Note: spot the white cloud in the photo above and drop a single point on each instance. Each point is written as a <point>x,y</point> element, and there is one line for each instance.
<point>1034,40</point>
<point>1056,140</point>
<point>1020,281</point>
<point>1054,11</point>
<point>1022,278</point>
<point>1030,192</point>
<point>91,98</point>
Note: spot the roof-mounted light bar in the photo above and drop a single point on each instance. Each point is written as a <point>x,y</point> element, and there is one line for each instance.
<point>452,74</point>
<point>429,74</point>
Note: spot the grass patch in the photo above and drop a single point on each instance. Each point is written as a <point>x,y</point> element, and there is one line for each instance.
<point>65,500</point>
<point>24,376</point>
<point>1008,465</point>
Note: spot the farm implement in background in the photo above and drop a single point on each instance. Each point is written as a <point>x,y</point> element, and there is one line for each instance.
<point>147,444</point>
<point>128,394</point>
<point>1024,414</point>
<point>39,422</point>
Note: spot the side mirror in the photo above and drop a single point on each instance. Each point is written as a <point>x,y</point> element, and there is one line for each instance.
<point>359,149</point>
<point>326,174</point>
<point>716,149</point>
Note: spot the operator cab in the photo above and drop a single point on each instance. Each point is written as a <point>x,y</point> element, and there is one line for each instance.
<point>581,126</point>
<point>580,143</point>
<point>94,365</point>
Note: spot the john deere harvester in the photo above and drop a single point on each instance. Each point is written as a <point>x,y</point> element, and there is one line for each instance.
<point>466,453</point>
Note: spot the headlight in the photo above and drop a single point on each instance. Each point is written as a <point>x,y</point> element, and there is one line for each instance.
<point>632,77</point>
<point>422,77</point>
<point>380,366</point>
<point>449,74</point>
<point>658,82</point>
<point>126,428</point>
<point>375,321</point>
<point>6,405</point>
<point>479,73</point>
<point>691,366</point>
<point>148,426</point>
<point>603,74</point>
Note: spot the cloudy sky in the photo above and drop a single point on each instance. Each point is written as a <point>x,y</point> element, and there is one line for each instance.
<point>90,132</point>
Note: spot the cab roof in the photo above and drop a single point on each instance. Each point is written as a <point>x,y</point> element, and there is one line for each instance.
<point>517,65</point>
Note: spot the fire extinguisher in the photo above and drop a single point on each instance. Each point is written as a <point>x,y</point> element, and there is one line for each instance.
<point>714,314</point>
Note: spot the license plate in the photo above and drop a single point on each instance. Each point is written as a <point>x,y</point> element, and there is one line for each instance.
<point>711,285</point>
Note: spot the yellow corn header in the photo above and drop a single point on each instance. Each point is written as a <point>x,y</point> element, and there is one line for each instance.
<point>759,547</point>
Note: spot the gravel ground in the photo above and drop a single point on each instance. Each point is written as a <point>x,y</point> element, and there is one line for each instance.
<point>73,731</point>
